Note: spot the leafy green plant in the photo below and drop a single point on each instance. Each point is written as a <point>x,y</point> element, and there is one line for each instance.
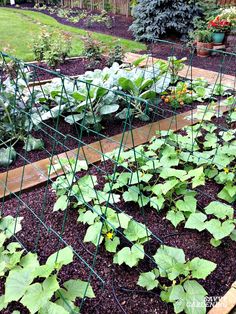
<point>102,18</point>
<point>36,286</point>
<point>179,95</point>
<point>78,17</point>
<point>23,285</point>
<point>221,225</point>
<point>15,119</point>
<point>92,50</point>
<point>174,67</point>
<point>116,55</point>
<point>52,47</point>
<point>181,287</point>
<point>92,103</point>
<point>203,36</point>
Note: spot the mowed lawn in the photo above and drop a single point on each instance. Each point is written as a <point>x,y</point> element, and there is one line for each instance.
<point>18,28</point>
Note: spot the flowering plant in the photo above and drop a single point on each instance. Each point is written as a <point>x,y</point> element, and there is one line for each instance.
<point>219,25</point>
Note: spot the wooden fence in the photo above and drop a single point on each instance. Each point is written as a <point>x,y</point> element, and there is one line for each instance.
<point>227,2</point>
<point>116,6</point>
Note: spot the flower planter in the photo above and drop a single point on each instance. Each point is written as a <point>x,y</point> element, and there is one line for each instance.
<point>218,37</point>
<point>203,49</point>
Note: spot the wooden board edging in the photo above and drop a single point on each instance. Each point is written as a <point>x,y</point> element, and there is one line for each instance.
<point>227,303</point>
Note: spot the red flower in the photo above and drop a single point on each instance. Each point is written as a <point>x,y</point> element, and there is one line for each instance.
<point>218,24</point>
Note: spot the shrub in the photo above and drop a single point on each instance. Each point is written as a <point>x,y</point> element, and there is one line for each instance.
<point>92,50</point>
<point>210,8</point>
<point>53,47</point>
<point>116,54</point>
<point>153,18</point>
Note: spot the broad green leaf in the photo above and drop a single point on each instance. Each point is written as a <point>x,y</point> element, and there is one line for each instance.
<point>148,280</point>
<point>61,203</point>
<point>177,296</point>
<point>132,194</point>
<point>93,234</point>
<point>220,230</point>
<point>175,217</point>
<point>189,204</point>
<point>197,175</point>
<point>171,172</point>
<point>196,221</point>
<point>52,308</point>
<point>195,294</point>
<point>17,283</point>
<point>215,242</point>
<point>169,261</point>
<point>43,271</point>
<point>77,289</point>
<point>108,109</point>
<point>88,217</point>
<point>157,202</point>
<point>168,185</point>
<point>124,220</point>
<point>201,268</point>
<point>210,140</point>
<point>136,231</point>
<point>130,257</point>
<point>60,258</point>
<point>32,143</point>
<point>37,295</point>
<point>228,193</point>
<point>7,156</point>
<point>220,210</point>
<point>30,261</point>
<point>10,225</point>
<point>111,244</point>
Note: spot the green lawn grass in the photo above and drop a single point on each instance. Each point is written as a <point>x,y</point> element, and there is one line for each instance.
<point>19,27</point>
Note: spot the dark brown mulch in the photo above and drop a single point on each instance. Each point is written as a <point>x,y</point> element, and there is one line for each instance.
<point>71,67</point>
<point>120,294</point>
<point>120,23</point>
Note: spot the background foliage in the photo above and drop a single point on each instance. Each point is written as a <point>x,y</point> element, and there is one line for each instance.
<point>159,17</point>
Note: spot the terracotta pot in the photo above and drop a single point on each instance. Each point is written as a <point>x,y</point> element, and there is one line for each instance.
<point>203,49</point>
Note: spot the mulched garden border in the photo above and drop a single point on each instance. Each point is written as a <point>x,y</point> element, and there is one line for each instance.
<point>169,46</point>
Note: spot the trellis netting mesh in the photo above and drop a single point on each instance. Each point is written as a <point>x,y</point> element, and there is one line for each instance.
<point>100,164</point>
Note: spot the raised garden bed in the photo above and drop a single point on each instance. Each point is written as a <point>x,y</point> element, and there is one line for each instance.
<point>120,290</point>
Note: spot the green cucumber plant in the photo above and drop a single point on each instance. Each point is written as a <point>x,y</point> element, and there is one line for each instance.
<point>180,287</point>
<point>218,220</point>
<point>36,286</point>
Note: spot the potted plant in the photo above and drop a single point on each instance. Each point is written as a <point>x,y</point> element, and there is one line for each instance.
<point>219,27</point>
<point>204,42</point>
